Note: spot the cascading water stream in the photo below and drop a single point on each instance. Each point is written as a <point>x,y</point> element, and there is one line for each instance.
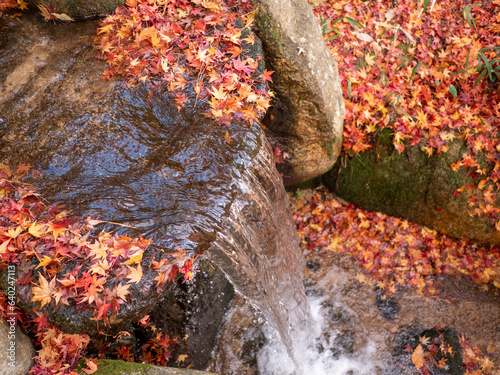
<point>259,251</point>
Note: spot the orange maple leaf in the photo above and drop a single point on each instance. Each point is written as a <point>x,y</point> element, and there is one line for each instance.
<point>135,274</point>
<point>44,291</point>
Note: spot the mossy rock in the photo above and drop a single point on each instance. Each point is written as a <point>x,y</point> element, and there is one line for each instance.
<point>79,8</point>
<point>306,119</point>
<point>112,367</point>
<point>414,186</point>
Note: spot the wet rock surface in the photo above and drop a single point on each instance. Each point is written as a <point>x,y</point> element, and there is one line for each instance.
<point>112,367</point>
<point>119,154</point>
<point>196,310</point>
<point>79,8</point>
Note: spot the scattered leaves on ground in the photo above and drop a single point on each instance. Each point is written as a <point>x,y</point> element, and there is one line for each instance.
<point>394,253</point>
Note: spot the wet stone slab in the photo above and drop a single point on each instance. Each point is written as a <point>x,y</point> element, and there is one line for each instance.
<point>120,154</point>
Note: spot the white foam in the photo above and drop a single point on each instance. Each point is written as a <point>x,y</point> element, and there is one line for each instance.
<point>274,360</point>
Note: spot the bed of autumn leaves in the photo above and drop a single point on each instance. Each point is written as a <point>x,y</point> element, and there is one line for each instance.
<point>394,252</point>
<point>427,70</point>
<point>198,49</point>
<point>60,262</point>
<point>12,4</point>
<point>396,255</point>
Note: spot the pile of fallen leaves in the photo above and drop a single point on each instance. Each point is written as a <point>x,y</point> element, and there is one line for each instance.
<point>12,4</point>
<point>429,72</point>
<point>197,49</point>
<point>394,253</point>
<point>434,353</point>
<point>60,262</point>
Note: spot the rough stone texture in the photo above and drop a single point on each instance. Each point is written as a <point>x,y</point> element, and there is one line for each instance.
<point>414,186</point>
<point>112,367</point>
<point>197,310</point>
<point>307,118</point>
<point>24,351</point>
<point>79,8</point>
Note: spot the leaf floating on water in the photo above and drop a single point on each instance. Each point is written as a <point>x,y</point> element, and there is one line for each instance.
<point>228,138</point>
<point>63,17</point>
<point>50,16</point>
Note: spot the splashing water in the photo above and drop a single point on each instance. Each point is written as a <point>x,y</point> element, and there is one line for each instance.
<point>320,357</point>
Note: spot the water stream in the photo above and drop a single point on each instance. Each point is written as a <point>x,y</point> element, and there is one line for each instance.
<point>260,254</point>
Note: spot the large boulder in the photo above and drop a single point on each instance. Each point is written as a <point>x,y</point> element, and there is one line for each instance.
<point>414,186</point>
<point>307,118</point>
<point>117,153</point>
<point>16,350</point>
<point>78,8</point>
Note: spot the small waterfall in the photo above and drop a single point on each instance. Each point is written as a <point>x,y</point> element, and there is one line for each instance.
<point>259,251</point>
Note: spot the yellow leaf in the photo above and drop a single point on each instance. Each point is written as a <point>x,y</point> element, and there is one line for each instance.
<point>361,278</point>
<point>424,340</point>
<point>135,259</point>
<point>44,291</point>
<point>218,93</point>
<point>45,12</point>
<point>164,64</point>
<point>22,5</point>
<point>63,17</point>
<point>370,59</point>
<point>122,291</point>
<point>228,138</point>
<point>13,233</point>
<point>98,250</point>
<point>37,230</point>
<point>3,246</point>
<point>45,261</point>
<point>57,230</point>
<point>104,29</point>
<point>250,18</point>
<point>135,274</point>
<point>181,358</point>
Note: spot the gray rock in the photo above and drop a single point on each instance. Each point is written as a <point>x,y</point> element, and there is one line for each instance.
<point>16,350</point>
<point>195,309</point>
<point>79,8</point>
<point>308,116</point>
